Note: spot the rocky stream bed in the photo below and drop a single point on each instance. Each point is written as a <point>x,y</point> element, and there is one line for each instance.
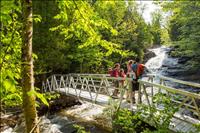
<point>59,117</point>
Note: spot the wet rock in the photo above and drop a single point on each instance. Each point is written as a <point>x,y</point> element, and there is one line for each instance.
<point>20,127</point>
<point>172,49</point>
<point>56,124</point>
<point>58,104</point>
<point>148,55</point>
<point>184,59</point>
<point>8,121</point>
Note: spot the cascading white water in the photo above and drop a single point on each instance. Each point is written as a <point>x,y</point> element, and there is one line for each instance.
<point>160,63</point>
<point>87,114</point>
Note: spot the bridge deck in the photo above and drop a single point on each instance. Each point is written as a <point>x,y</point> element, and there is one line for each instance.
<point>177,124</point>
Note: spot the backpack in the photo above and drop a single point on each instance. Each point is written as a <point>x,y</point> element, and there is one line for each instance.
<point>140,70</point>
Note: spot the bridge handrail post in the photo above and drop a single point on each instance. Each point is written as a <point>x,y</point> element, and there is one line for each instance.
<point>43,87</point>
<point>140,93</point>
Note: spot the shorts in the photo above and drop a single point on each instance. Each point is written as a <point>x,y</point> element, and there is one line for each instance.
<point>135,85</point>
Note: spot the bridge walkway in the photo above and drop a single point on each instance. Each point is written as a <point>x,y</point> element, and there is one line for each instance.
<point>98,88</point>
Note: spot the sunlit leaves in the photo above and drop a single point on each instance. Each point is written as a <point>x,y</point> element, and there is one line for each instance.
<point>10,50</point>
<point>80,23</point>
<point>38,95</point>
<point>7,8</point>
<point>37,18</point>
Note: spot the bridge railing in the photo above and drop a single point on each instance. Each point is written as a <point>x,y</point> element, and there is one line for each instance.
<point>101,84</point>
<point>94,84</point>
<point>187,102</point>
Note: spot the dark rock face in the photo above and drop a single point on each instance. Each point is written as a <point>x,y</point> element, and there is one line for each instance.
<point>57,104</point>
<point>148,55</point>
<point>184,59</point>
<point>184,69</point>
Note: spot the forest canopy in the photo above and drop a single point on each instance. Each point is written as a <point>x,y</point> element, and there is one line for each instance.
<point>88,35</point>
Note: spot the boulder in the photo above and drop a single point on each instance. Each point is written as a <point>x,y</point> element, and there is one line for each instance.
<point>57,104</point>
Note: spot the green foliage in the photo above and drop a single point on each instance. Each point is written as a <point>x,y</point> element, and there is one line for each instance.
<point>39,95</point>
<point>10,53</point>
<point>88,36</point>
<point>125,121</point>
<point>37,18</point>
<point>82,27</point>
<point>165,39</point>
<point>156,27</point>
<point>12,99</point>
<point>159,113</point>
<point>80,129</point>
<point>197,126</point>
<point>50,96</point>
<point>112,108</point>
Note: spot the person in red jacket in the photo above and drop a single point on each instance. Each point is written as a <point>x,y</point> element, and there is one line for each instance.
<point>115,73</point>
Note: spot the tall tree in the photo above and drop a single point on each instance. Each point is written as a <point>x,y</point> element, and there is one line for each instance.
<point>27,68</point>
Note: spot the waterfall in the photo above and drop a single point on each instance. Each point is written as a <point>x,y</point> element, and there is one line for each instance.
<point>161,62</point>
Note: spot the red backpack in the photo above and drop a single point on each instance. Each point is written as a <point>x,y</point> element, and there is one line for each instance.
<point>140,70</point>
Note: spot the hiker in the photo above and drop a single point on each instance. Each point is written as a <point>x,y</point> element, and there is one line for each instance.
<point>138,70</point>
<point>122,82</point>
<point>122,75</point>
<point>129,67</point>
<point>115,73</point>
<point>129,73</point>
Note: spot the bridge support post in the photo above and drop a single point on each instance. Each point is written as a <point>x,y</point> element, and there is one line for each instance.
<point>140,93</point>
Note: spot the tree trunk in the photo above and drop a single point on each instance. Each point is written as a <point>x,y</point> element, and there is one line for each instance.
<point>30,112</point>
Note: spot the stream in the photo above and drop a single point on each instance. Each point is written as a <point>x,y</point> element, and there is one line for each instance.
<point>86,115</point>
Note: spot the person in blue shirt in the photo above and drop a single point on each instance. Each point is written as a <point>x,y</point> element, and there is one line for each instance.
<point>138,70</point>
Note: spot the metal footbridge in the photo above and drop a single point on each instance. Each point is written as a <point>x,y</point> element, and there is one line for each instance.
<point>98,88</point>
